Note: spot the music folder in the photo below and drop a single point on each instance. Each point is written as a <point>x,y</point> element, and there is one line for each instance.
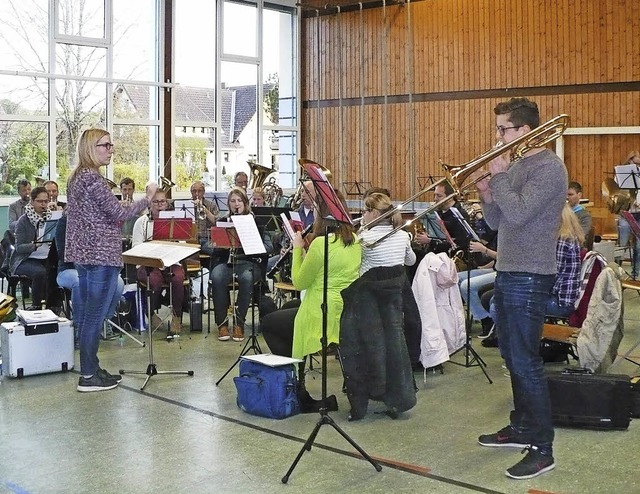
<point>48,232</point>
<point>159,254</point>
<point>246,234</point>
<point>173,229</point>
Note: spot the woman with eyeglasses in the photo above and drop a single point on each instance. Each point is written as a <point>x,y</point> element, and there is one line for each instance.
<point>142,232</point>
<point>94,244</point>
<point>31,254</point>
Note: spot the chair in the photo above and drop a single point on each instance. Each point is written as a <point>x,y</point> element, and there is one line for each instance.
<point>594,330</point>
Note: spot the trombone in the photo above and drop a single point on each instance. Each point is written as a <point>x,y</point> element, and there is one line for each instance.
<point>457,175</point>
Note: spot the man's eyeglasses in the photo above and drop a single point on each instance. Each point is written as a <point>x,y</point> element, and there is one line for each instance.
<point>159,201</point>
<point>41,201</point>
<point>107,145</point>
<point>502,129</point>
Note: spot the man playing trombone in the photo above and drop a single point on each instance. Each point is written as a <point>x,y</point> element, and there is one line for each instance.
<point>523,201</point>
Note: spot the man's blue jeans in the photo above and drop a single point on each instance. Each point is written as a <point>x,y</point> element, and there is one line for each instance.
<point>479,278</point>
<point>97,287</point>
<point>520,300</point>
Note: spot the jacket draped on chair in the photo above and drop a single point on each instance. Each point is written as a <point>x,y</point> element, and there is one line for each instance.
<point>435,287</point>
<point>372,343</point>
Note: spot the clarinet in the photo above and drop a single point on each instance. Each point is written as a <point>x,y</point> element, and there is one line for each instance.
<point>286,253</point>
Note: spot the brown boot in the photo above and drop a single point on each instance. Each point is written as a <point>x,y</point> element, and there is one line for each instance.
<point>223,333</point>
<point>238,333</point>
<point>176,324</point>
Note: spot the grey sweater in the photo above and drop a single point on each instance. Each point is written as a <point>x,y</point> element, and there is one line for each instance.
<point>526,210</point>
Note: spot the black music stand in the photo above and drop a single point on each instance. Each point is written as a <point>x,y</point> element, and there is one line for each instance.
<point>235,241</point>
<point>356,189</point>
<point>325,192</point>
<point>156,254</point>
<point>627,176</point>
<point>471,357</point>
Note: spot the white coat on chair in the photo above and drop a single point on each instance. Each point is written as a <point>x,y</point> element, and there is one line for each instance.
<point>435,287</point>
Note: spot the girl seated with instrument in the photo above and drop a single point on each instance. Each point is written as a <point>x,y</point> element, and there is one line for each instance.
<point>248,271</point>
<point>142,232</point>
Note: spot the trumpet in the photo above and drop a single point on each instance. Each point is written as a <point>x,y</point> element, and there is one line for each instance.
<point>201,212</point>
<point>456,176</point>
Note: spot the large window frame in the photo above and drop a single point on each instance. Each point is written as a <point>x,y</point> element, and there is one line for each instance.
<point>160,152</point>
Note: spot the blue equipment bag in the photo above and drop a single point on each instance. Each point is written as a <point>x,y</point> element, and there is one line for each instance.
<point>267,391</point>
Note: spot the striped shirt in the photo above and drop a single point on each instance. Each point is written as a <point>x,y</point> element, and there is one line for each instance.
<point>567,283</point>
<point>392,251</point>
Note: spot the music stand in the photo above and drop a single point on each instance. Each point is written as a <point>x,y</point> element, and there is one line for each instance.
<point>225,238</point>
<point>628,176</point>
<point>244,226</point>
<point>325,192</point>
<point>156,254</point>
<point>471,357</point>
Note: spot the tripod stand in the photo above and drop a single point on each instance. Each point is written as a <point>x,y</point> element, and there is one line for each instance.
<point>156,254</point>
<point>331,201</point>
<point>471,357</point>
<point>252,341</point>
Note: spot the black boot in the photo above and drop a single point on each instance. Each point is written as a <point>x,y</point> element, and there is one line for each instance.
<point>490,342</point>
<point>487,328</point>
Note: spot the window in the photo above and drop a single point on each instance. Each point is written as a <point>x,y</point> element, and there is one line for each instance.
<point>67,65</point>
<point>89,49</point>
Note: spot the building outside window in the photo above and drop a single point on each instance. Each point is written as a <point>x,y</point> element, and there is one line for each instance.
<point>67,65</point>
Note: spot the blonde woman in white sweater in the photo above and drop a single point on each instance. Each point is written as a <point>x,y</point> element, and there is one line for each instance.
<point>393,250</point>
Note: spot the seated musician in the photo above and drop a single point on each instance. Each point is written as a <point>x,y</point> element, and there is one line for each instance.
<point>296,331</point>
<point>52,190</point>
<point>248,270</point>
<point>565,290</point>
<point>424,244</point>
<point>206,215</point>
<point>306,209</point>
<point>30,257</point>
<point>257,198</point>
<point>127,189</point>
<point>142,232</point>
<point>374,324</point>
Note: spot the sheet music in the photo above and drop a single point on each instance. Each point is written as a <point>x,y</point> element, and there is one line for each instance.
<point>224,224</point>
<point>628,176</point>
<point>159,254</point>
<point>55,215</point>
<point>271,360</point>
<point>248,233</point>
<point>287,226</point>
<point>178,213</point>
<point>465,224</point>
